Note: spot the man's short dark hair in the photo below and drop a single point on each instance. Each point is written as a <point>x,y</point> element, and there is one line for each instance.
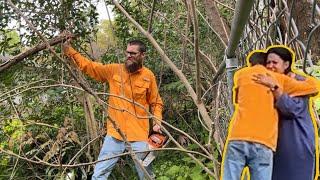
<point>258,58</point>
<point>142,46</point>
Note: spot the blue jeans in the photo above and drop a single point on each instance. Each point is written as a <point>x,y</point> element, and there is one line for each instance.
<point>240,154</point>
<point>112,147</point>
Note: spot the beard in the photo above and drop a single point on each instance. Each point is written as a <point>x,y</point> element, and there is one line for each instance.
<point>133,66</point>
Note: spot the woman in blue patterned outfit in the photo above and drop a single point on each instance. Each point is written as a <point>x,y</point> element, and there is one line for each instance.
<point>294,158</point>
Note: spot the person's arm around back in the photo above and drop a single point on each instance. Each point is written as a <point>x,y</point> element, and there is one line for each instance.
<point>291,106</point>
<point>290,86</point>
<point>294,87</point>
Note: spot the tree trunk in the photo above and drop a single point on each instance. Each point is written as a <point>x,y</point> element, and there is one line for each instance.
<point>91,123</point>
<point>302,14</point>
<point>216,21</point>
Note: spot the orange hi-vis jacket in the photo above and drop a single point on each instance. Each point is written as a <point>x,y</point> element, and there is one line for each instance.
<point>125,88</point>
<point>255,118</point>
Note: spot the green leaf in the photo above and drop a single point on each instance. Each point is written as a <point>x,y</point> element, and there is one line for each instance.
<point>163,178</point>
<point>196,173</point>
<point>173,170</point>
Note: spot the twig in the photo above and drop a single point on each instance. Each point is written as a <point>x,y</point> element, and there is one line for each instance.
<point>224,5</point>
<point>40,124</point>
<point>196,47</point>
<point>151,16</point>
<point>8,92</point>
<point>84,147</point>
<point>14,167</point>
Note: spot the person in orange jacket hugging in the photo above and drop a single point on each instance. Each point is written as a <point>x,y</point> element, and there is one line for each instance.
<point>134,92</point>
<point>253,130</point>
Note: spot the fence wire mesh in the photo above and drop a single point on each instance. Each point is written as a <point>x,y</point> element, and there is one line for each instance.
<point>289,22</point>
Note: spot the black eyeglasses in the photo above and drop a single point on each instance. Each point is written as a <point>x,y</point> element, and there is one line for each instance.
<point>132,53</point>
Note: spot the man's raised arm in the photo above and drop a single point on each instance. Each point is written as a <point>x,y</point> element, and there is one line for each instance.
<point>95,70</point>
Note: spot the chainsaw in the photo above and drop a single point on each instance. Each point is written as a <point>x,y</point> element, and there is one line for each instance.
<point>156,140</point>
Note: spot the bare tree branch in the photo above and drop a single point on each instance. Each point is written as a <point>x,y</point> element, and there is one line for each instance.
<point>151,16</point>
<point>18,58</point>
<point>193,13</point>
<point>216,21</point>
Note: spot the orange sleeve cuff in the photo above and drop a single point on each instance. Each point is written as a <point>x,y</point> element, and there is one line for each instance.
<point>70,52</point>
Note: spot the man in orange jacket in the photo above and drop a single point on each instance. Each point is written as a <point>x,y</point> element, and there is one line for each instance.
<point>134,93</point>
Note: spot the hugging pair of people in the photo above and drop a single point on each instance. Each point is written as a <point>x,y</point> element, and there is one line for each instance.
<point>271,131</point>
